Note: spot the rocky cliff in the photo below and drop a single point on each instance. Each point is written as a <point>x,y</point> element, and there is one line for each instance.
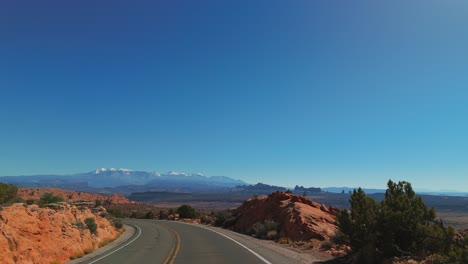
<point>29,234</point>
<point>70,196</point>
<point>298,218</point>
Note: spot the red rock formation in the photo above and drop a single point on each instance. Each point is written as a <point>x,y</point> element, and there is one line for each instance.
<point>29,234</point>
<point>70,196</point>
<point>299,218</point>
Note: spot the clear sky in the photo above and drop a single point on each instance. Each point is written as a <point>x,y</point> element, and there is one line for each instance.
<point>315,93</point>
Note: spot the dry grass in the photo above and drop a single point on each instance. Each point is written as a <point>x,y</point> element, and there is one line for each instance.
<point>459,220</point>
<point>283,240</point>
<point>81,254</point>
<point>12,243</point>
<point>76,255</point>
<point>105,242</point>
<point>109,240</point>
<point>88,250</point>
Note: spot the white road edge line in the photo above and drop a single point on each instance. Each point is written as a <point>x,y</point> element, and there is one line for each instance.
<point>233,240</point>
<point>112,252</point>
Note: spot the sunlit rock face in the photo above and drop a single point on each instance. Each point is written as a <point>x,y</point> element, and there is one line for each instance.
<point>299,218</point>
<point>29,234</point>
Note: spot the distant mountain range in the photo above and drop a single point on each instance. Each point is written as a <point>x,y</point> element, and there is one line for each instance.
<point>126,181</point>
<point>380,191</point>
<point>123,179</point>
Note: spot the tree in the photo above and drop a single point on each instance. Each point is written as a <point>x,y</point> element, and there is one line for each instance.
<point>186,211</point>
<point>360,223</point>
<point>8,193</point>
<point>405,222</point>
<point>149,215</point>
<point>400,225</point>
<point>163,214</point>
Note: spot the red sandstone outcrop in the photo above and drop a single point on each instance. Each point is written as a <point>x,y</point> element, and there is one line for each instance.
<point>71,196</point>
<point>29,234</point>
<point>299,218</point>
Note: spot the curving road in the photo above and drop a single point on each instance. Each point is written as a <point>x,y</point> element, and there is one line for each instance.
<point>172,242</point>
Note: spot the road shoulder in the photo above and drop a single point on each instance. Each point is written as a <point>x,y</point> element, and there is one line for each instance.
<point>123,238</point>
<point>273,252</point>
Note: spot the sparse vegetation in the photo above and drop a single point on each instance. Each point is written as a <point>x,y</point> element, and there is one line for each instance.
<point>115,212</point>
<point>149,215</point>
<point>48,198</point>
<point>76,255</point>
<point>91,224</point>
<point>117,223</point>
<point>266,230</point>
<point>8,193</point>
<point>97,203</point>
<point>79,224</point>
<point>283,240</point>
<point>222,217</point>
<point>105,242</point>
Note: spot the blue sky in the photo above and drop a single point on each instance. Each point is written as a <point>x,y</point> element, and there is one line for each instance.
<point>315,93</point>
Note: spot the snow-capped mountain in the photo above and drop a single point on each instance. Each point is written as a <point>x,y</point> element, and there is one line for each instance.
<point>101,170</point>
<point>112,177</point>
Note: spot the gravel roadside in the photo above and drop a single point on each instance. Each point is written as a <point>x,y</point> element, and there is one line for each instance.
<point>123,238</point>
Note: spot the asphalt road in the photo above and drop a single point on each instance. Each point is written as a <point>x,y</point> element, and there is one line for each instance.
<point>172,242</point>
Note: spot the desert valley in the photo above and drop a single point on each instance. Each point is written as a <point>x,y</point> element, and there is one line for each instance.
<point>51,225</point>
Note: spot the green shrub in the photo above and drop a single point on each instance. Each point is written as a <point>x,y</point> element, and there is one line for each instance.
<point>222,216</point>
<point>30,201</point>
<point>104,215</point>
<point>186,211</point>
<point>117,223</point>
<point>163,214</point>
<point>8,193</point>
<point>258,230</point>
<point>97,203</point>
<point>115,212</point>
<point>91,224</point>
<point>266,230</point>
<point>149,215</point>
<point>48,198</point>
<point>79,224</point>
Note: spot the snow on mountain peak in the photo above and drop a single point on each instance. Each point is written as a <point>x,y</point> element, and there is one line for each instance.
<point>100,170</point>
<point>113,170</point>
<point>175,173</point>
